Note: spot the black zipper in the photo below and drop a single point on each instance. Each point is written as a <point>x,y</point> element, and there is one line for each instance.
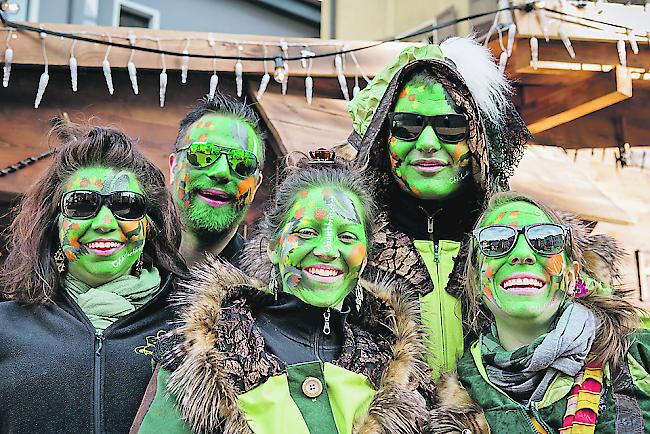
<point>97,383</point>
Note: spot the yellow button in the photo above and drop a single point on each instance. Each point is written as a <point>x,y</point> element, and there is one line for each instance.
<point>312,387</point>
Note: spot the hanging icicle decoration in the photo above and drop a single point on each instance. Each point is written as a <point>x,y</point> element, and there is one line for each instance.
<point>543,22</point>
<point>239,72</point>
<point>9,57</point>
<point>309,82</point>
<point>163,77</point>
<point>73,67</point>
<point>356,89</point>
<point>45,76</point>
<point>512,31</point>
<point>285,51</point>
<point>106,67</point>
<point>264,82</point>
<point>214,79</point>
<point>622,55</point>
<point>133,72</point>
<point>185,62</point>
<point>338,63</point>
<point>633,42</point>
<point>503,58</point>
<point>567,42</point>
<point>534,52</point>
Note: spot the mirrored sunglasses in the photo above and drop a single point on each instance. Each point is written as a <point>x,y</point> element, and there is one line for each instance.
<point>85,204</point>
<point>544,238</point>
<point>202,154</point>
<point>449,128</point>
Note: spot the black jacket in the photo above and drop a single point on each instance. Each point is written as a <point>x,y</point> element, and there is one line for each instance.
<point>58,375</point>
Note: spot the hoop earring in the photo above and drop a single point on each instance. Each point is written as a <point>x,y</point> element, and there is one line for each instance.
<point>358,295</point>
<point>59,259</point>
<point>273,283</point>
<point>137,267</point>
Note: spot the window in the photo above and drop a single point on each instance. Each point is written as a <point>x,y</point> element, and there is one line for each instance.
<point>127,13</point>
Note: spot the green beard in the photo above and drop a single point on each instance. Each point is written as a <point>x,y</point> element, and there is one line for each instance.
<point>201,217</point>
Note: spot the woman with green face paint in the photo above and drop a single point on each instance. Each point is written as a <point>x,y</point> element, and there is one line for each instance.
<point>93,254</point>
<point>552,356</point>
<point>437,128</point>
<point>306,347</point>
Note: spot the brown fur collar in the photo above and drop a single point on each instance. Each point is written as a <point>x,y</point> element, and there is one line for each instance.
<point>208,395</point>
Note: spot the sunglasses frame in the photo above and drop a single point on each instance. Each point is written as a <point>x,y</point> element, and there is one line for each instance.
<point>429,121</point>
<point>222,152</point>
<point>104,200</point>
<point>523,230</point>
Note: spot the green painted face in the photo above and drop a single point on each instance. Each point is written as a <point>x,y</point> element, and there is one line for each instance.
<point>428,168</point>
<point>102,248</point>
<point>215,198</point>
<point>322,247</point>
<point>525,301</point>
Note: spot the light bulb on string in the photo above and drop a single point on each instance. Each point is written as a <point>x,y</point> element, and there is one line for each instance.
<point>338,63</point>
<point>503,60</point>
<point>214,79</point>
<point>309,82</point>
<point>239,72</point>
<point>285,52</point>
<point>133,72</point>
<point>9,57</point>
<point>280,72</point>
<point>106,67</point>
<point>512,31</point>
<point>73,67</point>
<point>264,82</point>
<point>185,63</point>
<point>163,77</point>
<point>45,76</point>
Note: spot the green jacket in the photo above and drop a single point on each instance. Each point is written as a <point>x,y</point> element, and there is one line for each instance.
<point>216,376</point>
<point>505,415</point>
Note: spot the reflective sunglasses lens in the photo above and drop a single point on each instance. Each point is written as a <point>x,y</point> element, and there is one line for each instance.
<point>406,126</point>
<point>243,163</point>
<point>201,155</point>
<point>496,240</point>
<point>547,239</point>
<point>451,128</point>
<point>80,204</point>
<point>126,205</point>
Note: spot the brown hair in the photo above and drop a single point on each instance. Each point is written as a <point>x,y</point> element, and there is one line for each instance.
<point>29,273</point>
<point>616,317</point>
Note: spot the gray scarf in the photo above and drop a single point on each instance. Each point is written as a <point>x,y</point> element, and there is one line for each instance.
<point>526,372</point>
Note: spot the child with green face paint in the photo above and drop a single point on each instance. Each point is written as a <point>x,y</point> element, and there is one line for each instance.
<point>94,252</point>
<point>438,129</point>
<point>215,170</point>
<point>552,356</point>
<point>296,350</point>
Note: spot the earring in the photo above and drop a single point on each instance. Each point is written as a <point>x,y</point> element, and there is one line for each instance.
<point>273,283</point>
<point>137,267</point>
<point>358,295</point>
<point>59,259</point>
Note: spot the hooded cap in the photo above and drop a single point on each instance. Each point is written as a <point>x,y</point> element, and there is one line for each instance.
<point>470,76</point>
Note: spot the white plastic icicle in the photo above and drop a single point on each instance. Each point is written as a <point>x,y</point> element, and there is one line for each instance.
<point>73,67</point>
<point>133,72</point>
<point>239,72</point>
<point>503,60</point>
<point>9,57</point>
<point>356,89</point>
<point>633,42</point>
<point>45,76</point>
<point>185,62</point>
<point>265,78</point>
<point>163,77</point>
<point>622,55</point>
<point>309,82</point>
<point>338,63</point>
<point>534,52</point>
<point>512,31</point>
<point>214,79</point>
<point>567,42</point>
<point>543,22</point>
<point>285,51</point>
<point>106,66</point>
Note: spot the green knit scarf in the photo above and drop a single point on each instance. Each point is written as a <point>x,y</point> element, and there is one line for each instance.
<point>113,300</point>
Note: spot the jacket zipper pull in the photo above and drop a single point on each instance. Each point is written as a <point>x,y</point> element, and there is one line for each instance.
<point>99,337</point>
<point>430,226</point>
<point>326,326</point>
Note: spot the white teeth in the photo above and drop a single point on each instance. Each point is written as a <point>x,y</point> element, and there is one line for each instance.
<point>523,282</point>
<point>323,272</point>
<point>104,245</point>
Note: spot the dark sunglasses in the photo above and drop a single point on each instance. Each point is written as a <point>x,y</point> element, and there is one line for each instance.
<point>543,238</point>
<point>85,204</point>
<point>202,154</point>
<point>449,128</point>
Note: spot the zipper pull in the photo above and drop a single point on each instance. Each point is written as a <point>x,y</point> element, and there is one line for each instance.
<point>99,338</point>
<point>436,256</point>
<point>430,226</point>
<point>326,326</point>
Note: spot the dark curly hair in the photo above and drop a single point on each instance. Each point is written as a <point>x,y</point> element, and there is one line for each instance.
<point>29,274</point>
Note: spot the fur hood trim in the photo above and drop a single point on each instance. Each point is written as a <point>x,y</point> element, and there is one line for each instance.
<point>208,398</point>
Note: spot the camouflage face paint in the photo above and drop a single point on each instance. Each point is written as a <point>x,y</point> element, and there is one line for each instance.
<point>214,198</point>
<point>522,285</point>
<point>322,247</point>
<point>406,158</point>
<point>102,248</point>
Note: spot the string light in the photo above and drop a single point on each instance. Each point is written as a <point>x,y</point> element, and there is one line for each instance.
<point>163,78</point>
<point>309,82</point>
<point>622,55</point>
<point>9,57</point>
<point>512,31</point>
<point>264,82</point>
<point>73,67</point>
<point>214,79</point>
<point>338,64</point>
<point>280,71</point>
<point>45,76</point>
<point>534,52</point>
<point>239,72</point>
<point>543,22</point>
<point>285,51</point>
<point>106,67</point>
<point>133,72</point>
<point>185,64</point>
<point>567,42</point>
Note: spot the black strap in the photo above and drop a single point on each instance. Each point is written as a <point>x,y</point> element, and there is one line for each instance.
<point>629,418</point>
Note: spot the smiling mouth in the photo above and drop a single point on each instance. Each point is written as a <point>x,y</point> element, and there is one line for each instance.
<point>322,273</point>
<point>429,165</point>
<point>523,285</point>
<point>104,247</point>
<point>214,196</point>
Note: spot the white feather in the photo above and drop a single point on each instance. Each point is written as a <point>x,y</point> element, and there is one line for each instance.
<point>488,85</point>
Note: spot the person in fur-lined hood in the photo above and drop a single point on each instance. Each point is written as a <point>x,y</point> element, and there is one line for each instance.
<point>439,131</point>
<point>307,348</point>
<point>554,354</point>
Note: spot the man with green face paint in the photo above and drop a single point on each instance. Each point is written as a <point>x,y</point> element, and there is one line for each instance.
<point>215,170</point>
<point>439,131</point>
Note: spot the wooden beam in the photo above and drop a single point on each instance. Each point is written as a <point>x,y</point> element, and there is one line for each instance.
<point>27,50</point>
<point>575,101</point>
